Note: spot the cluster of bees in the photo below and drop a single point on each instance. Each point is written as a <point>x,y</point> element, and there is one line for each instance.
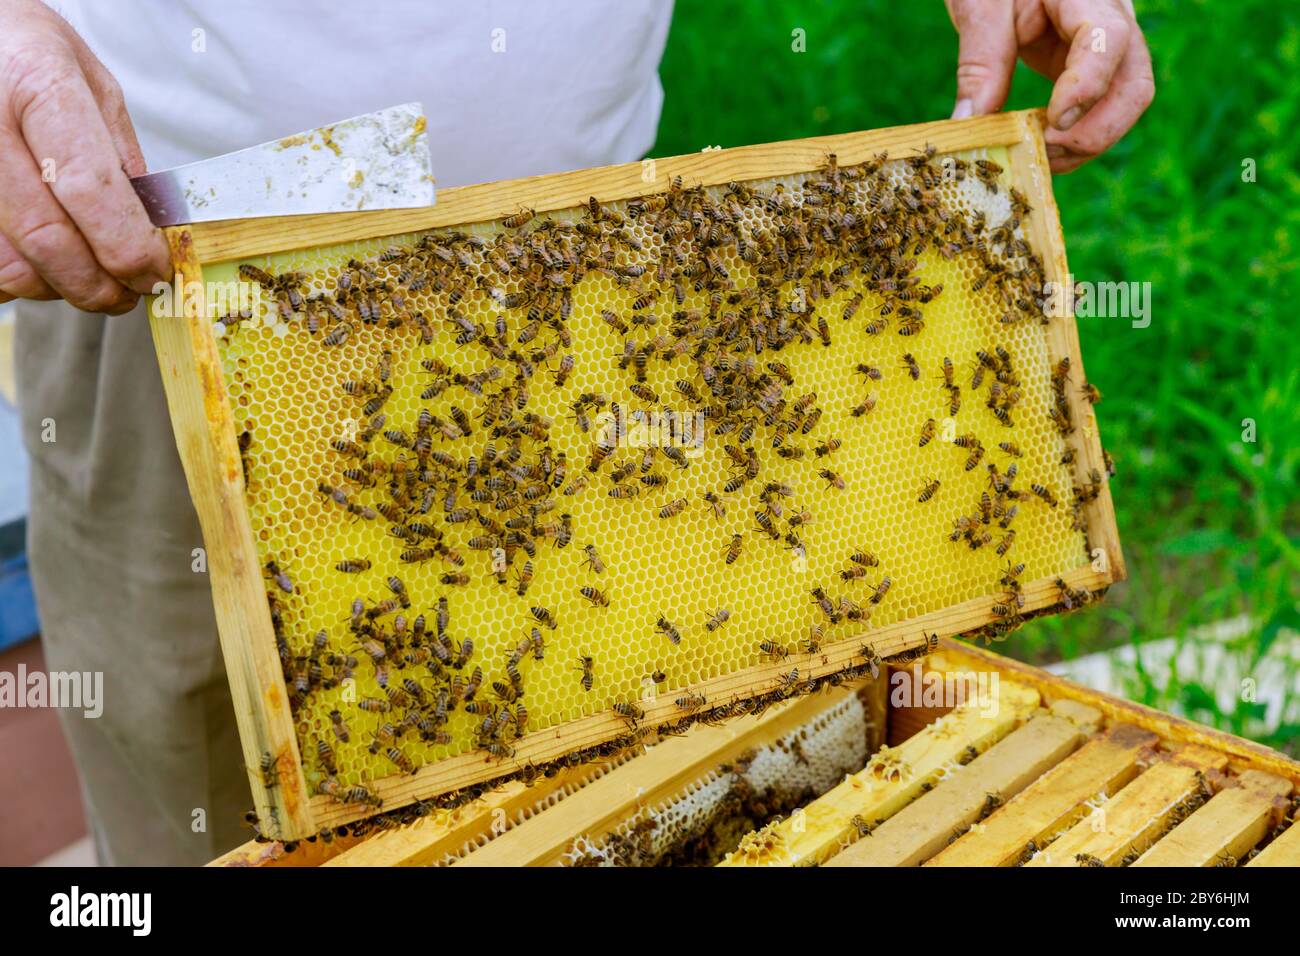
<point>476,485</point>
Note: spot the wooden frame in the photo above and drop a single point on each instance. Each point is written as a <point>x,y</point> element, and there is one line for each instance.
<point>206,438</point>
<point>1242,754</point>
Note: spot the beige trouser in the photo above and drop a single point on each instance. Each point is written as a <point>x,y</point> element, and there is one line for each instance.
<point>111,536</point>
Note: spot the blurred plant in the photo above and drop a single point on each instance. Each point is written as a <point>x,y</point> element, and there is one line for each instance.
<point>1210,523</point>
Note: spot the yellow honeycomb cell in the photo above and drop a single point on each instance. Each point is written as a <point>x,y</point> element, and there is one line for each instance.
<point>287,389</point>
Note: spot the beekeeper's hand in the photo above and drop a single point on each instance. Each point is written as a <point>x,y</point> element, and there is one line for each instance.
<point>70,224</point>
<point>1092,49</point>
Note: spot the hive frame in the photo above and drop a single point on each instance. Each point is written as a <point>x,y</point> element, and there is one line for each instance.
<point>206,439</point>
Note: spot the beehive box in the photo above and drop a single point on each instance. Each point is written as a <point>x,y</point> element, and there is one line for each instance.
<point>1030,770</point>
<point>512,480</point>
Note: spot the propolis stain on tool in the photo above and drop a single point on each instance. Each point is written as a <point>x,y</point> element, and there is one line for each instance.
<point>778,414</point>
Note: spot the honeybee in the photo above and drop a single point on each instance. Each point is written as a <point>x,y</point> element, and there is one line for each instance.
<point>865,407</point>
<point>251,273</point>
<point>1072,597</point>
<point>824,602</point>
<point>281,579</point>
<point>325,754</point>
<point>927,432</point>
<point>399,590</point>
<point>525,578</point>
<point>359,387</point>
<point>463,653</point>
<point>988,172</point>
<point>269,767</point>
<point>734,548</point>
<point>596,597</point>
<point>588,672</point>
<point>668,629</point>
<point>593,559</point>
<point>499,750</point>
<point>928,490</point>
<point>692,701</point>
<point>864,558</point>
<point>349,448</point>
<point>832,479</point>
<point>340,728</point>
<point>870,371</point>
<point>777,652</point>
<point>881,590</point>
<point>360,794</point>
<point>1010,448</point>
<point>400,759</point>
<point>720,617</point>
<point>353,565</point>
<point>673,508</point>
<point>789,681</point>
<point>245,442</point>
<point>471,687</point>
<point>377,402</point>
<point>629,712</point>
<point>852,307</point>
<point>813,642</point>
<point>1043,493</point>
<point>519,219</point>
<point>954,400</point>
<point>913,369</point>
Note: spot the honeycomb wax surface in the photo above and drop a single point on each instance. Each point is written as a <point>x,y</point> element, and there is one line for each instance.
<point>405,300</point>
<point>767,780</point>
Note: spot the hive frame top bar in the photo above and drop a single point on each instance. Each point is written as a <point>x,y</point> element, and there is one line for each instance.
<point>241,238</point>
<point>206,435</point>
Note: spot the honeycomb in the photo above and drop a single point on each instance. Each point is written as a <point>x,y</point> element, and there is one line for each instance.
<point>758,287</point>
<point>806,762</point>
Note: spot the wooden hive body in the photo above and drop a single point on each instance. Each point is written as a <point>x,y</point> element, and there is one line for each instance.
<point>1079,778</point>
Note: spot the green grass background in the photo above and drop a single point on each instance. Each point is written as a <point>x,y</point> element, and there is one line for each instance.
<point>1210,525</point>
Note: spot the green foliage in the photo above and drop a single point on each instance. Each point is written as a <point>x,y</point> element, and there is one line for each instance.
<point>1210,523</point>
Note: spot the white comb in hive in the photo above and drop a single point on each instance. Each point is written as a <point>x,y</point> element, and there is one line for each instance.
<point>704,822</point>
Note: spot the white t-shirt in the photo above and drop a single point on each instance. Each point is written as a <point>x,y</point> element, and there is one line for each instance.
<point>511,88</point>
